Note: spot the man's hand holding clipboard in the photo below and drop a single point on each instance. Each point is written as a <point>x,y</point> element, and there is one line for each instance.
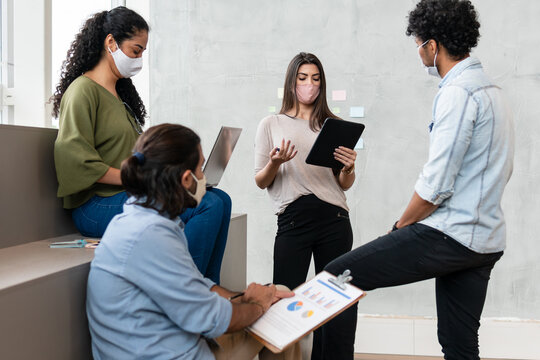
<point>314,303</point>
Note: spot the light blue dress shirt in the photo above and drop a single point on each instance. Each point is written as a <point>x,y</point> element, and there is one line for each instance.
<point>471,153</point>
<point>146,298</point>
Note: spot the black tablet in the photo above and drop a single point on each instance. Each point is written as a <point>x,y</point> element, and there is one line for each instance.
<point>334,133</point>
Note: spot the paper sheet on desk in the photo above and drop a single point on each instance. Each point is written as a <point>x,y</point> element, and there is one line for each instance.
<point>314,302</point>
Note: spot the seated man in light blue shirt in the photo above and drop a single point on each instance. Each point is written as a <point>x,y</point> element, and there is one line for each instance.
<point>453,229</point>
<point>146,298</point>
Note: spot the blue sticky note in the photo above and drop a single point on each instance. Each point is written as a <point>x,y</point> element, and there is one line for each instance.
<point>357,112</point>
<point>359,145</point>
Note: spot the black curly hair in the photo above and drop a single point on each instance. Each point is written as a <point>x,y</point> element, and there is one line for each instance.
<point>87,49</point>
<point>452,23</point>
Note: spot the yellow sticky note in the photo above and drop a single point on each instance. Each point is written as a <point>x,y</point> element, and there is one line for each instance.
<point>336,110</point>
<point>280,93</point>
<point>271,109</point>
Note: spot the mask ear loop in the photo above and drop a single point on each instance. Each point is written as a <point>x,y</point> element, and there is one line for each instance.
<point>196,184</point>
<point>117,47</point>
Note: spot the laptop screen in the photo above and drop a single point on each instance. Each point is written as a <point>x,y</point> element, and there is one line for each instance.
<point>221,153</point>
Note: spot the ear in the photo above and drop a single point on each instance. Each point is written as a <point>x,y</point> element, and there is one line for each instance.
<point>187,179</point>
<point>433,46</point>
<point>110,43</point>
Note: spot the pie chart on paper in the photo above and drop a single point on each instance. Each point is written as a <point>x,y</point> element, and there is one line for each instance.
<point>294,306</point>
<point>308,313</point>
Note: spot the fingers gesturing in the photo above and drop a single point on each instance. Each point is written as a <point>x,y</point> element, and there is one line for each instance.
<point>284,153</point>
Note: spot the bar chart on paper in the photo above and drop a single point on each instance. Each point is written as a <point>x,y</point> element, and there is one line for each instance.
<point>318,298</point>
<point>313,303</point>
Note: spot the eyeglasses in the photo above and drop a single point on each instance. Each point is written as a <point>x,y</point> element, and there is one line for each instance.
<point>138,128</point>
<point>423,44</point>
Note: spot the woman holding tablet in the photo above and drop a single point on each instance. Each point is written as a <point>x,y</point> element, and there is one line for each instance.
<point>101,116</point>
<point>310,202</point>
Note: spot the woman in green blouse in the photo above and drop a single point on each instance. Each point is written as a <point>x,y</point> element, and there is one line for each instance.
<point>101,116</point>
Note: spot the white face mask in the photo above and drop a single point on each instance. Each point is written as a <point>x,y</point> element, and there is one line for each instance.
<point>200,190</point>
<point>127,66</point>
<point>431,70</point>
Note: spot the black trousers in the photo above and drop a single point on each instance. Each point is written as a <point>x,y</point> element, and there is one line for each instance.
<point>309,226</point>
<point>414,253</point>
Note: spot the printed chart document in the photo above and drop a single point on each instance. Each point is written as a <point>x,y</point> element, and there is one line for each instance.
<point>315,302</point>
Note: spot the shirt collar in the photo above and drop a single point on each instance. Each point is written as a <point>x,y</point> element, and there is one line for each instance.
<point>459,68</point>
<point>131,206</point>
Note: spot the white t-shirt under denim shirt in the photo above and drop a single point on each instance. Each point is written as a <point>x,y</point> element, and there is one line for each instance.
<point>470,161</point>
<point>294,178</point>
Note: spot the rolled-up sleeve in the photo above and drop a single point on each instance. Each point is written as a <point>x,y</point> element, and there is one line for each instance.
<point>161,266</point>
<point>454,115</point>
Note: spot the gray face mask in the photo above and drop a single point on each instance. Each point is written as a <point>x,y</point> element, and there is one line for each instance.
<point>431,70</point>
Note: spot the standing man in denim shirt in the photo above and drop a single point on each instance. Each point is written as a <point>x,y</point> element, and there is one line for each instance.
<point>453,229</point>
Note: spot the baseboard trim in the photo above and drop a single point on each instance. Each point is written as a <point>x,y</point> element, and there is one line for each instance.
<point>500,338</point>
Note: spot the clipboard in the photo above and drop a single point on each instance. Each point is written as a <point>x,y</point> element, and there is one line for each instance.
<point>334,133</point>
<point>316,302</point>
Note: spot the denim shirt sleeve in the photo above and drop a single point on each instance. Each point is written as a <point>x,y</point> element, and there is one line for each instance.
<point>454,114</point>
<point>161,266</point>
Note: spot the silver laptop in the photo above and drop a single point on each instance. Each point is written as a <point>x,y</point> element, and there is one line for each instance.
<point>221,153</point>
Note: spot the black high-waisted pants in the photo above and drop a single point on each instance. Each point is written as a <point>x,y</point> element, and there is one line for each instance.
<point>309,226</point>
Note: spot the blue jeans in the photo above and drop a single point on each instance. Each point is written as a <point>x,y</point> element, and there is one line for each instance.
<point>206,229</point>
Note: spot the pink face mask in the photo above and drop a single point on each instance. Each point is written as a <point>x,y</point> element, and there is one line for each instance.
<point>307,93</point>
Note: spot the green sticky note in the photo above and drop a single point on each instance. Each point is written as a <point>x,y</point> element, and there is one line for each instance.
<point>271,109</point>
<point>336,110</point>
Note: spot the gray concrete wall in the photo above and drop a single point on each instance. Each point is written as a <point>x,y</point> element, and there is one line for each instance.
<point>219,63</point>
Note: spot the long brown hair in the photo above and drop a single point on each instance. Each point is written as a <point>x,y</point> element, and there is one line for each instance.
<point>152,175</point>
<point>290,100</point>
